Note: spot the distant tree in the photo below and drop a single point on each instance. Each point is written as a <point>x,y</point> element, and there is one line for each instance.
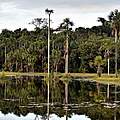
<point>65,26</point>
<point>107,46</point>
<point>39,22</point>
<point>114,19</point>
<point>56,55</point>
<point>98,61</point>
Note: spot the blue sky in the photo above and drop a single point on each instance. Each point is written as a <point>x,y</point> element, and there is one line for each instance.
<point>18,13</point>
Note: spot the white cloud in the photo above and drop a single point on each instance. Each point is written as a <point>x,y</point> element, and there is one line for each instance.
<point>16,13</point>
<point>6,7</point>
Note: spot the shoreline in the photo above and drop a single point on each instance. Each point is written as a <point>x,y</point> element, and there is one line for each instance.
<point>90,76</point>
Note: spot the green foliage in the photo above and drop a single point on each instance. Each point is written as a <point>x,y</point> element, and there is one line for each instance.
<point>98,98</point>
<point>26,51</point>
<point>98,61</point>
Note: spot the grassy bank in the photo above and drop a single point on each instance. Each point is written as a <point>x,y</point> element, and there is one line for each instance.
<point>21,74</point>
<point>90,76</point>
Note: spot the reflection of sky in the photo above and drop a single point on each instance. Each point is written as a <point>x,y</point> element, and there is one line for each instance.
<point>74,117</point>
<point>32,116</point>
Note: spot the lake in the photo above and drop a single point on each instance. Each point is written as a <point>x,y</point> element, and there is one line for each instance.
<point>25,98</point>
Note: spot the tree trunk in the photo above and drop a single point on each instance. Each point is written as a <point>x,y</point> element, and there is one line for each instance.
<point>16,65</point>
<point>10,67</point>
<point>66,55</point>
<point>116,53</point>
<point>27,68</point>
<point>66,93</point>
<point>115,117</point>
<point>56,68</point>
<point>115,92</point>
<point>108,66</point>
<point>5,90</point>
<point>5,56</point>
<point>66,114</point>
<point>52,92</point>
<point>99,71</point>
<point>98,88</point>
<point>21,67</point>
<point>32,68</point>
<point>108,91</point>
<point>48,91</point>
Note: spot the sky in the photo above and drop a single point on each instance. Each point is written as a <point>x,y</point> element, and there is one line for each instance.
<point>16,14</point>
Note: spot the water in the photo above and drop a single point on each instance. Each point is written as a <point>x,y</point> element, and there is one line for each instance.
<point>25,98</point>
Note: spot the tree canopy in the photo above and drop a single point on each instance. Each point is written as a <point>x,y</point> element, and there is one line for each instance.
<point>26,51</point>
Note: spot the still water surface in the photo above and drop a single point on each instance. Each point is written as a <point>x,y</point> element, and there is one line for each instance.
<point>25,98</point>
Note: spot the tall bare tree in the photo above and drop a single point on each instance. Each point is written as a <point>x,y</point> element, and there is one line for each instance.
<point>65,25</point>
<point>39,22</point>
<point>49,12</point>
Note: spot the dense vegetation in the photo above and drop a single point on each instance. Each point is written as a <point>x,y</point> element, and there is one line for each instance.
<point>26,51</point>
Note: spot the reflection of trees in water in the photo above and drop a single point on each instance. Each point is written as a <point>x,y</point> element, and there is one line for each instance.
<point>22,88</point>
<point>36,117</point>
<point>97,112</point>
<point>22,93</point>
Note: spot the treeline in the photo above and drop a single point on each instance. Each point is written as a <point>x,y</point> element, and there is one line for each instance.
<point>26,51</point>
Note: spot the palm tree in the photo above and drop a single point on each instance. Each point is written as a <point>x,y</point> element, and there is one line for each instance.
<point>107,46</point>
<point>98,61</point>
<point>114,19</point>
<point>49,12</point>
<point>114,23</point>
<point>65,25</point>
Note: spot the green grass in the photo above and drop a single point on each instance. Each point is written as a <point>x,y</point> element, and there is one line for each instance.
<point>90,76</point>
<point>22,74</point>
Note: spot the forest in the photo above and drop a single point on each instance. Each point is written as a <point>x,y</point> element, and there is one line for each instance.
<point>88,48</point>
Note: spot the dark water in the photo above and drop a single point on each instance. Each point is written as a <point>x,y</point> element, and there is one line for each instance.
<point>25,98</point>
